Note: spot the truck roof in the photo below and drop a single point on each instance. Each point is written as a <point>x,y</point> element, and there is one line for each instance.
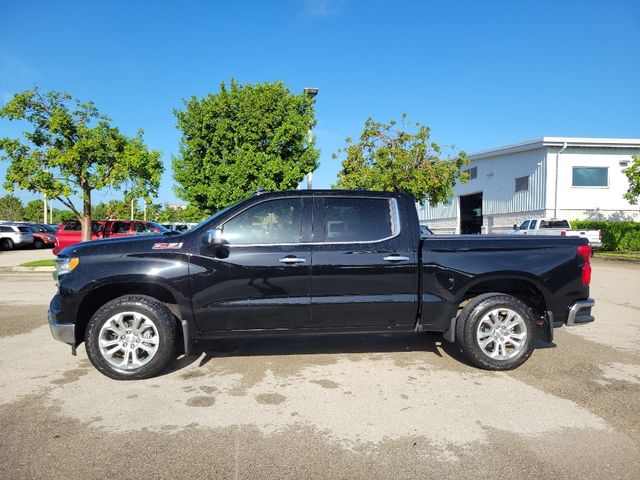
<point>331,192</point>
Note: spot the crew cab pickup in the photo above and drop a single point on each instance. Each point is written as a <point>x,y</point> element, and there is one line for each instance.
<point>554,226</point>
<point>70,232</point>
<point>315,262</point>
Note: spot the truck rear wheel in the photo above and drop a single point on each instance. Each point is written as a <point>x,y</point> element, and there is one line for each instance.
<point>495,331</point>
<point>131,337</point>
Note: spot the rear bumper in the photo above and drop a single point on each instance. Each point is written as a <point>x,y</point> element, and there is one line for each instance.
<point>580,312</point>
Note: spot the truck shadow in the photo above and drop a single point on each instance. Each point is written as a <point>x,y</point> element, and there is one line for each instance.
<point>206,350</point>
<point>431,343</point>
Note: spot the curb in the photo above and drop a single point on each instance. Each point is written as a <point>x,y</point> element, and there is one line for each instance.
<point>33,269</point>
<point>616,260</point>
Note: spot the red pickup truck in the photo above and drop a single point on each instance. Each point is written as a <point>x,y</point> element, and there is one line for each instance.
<point>70,232</point>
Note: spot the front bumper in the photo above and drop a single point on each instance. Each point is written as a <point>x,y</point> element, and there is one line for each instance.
<point>580,312</point>
<point>63,332</point>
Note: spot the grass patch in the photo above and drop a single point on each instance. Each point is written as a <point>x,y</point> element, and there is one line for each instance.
<point>626,256</point>
<point>40,263</point>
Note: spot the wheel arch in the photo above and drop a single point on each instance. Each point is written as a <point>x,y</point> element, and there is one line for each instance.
<point>100,295</point>
<point>527,289</point>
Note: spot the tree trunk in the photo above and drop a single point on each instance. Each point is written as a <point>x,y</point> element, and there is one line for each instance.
<point>86,215</point>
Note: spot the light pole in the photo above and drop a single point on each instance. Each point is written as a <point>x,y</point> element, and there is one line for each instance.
<point>310,92</point>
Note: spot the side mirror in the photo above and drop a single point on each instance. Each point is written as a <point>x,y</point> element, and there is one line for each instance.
<point>515,226</point>
<point>213,237</point>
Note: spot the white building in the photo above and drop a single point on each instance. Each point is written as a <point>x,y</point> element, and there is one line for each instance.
<point>561,177</point>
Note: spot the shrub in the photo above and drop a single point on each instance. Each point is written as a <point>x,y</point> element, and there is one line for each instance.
<point>616,236</point>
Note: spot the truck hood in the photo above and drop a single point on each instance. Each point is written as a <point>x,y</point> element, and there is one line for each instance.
<point>124,245</point>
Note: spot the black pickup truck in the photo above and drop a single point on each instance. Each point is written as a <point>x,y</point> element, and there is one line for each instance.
<point>313,262</point>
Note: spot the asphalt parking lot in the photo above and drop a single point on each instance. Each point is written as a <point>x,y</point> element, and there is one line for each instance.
<point>391,406</point>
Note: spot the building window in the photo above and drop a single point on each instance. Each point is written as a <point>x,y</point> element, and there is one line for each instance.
<point>471,173</point>
<point>522,184</point>
<point>590,177</point>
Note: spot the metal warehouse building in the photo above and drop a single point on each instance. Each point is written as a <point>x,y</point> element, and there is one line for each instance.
<point>553,177</point>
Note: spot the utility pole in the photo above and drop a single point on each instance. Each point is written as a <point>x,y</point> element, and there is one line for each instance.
<point>310,92</point>
<point>45,207</point>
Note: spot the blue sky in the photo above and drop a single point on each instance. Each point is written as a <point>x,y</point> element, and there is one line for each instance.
<point>479,73</point>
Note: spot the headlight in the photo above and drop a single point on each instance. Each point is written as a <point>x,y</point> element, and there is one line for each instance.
<point>52,238</point>
<point>65,265</point>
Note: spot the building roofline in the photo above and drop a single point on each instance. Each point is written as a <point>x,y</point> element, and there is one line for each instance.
<point>558,142</point>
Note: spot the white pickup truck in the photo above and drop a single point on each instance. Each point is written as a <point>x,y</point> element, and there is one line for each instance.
<point>554,226</point>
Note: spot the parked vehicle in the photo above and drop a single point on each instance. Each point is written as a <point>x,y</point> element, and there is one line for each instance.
<point>12,236</point>
<point>315,262</point>
<point>554,226</point>
<point>179,226</point>
<point>43,235</point>
<point>70,233</point>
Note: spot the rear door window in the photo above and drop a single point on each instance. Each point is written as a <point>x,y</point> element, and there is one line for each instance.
<point>120,227</point>
<point>349,219</point>
<point>532,225</point>
<point>554,224</point>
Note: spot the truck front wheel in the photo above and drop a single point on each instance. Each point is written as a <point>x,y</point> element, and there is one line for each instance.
<point>131,337</point>
<point>495,331</point>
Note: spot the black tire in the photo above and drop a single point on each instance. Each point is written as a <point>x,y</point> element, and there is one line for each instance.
<point>37,243</point>
<point>155,311</point>
<point>467,331</point>
<point>6,244</point>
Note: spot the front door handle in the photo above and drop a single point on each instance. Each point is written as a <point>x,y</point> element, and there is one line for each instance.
<point>396,258</point>
<point>292,260</point>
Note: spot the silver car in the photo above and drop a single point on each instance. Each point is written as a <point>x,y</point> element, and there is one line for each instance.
<point>14,236</point>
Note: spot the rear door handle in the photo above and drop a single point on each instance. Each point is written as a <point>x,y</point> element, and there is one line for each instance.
<point>396,258</point>
<point>292,260</point>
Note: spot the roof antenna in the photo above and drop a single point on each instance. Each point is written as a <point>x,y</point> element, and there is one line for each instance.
<point>260,191</point>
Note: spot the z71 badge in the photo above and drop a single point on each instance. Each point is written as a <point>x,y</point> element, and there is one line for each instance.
<point>167,246</point>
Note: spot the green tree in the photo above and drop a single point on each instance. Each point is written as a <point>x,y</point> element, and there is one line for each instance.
<point>242,138</point>
<point>401,158</point>
<point>72,149</point>
<point>34,211</point>
<point>193,214</point>
<point>11,208</point>
<point>633,174</point>
<point>63,216</point>
<point>153,211</point>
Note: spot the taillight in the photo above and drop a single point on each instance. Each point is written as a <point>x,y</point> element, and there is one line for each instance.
<point>584,251</point>
<point>563,233</point>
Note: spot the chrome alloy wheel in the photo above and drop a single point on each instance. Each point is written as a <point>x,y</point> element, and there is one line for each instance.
<point>128,340</point>
<point>501,334</point>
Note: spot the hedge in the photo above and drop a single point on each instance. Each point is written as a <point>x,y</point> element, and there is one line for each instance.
<point>616,236</point>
